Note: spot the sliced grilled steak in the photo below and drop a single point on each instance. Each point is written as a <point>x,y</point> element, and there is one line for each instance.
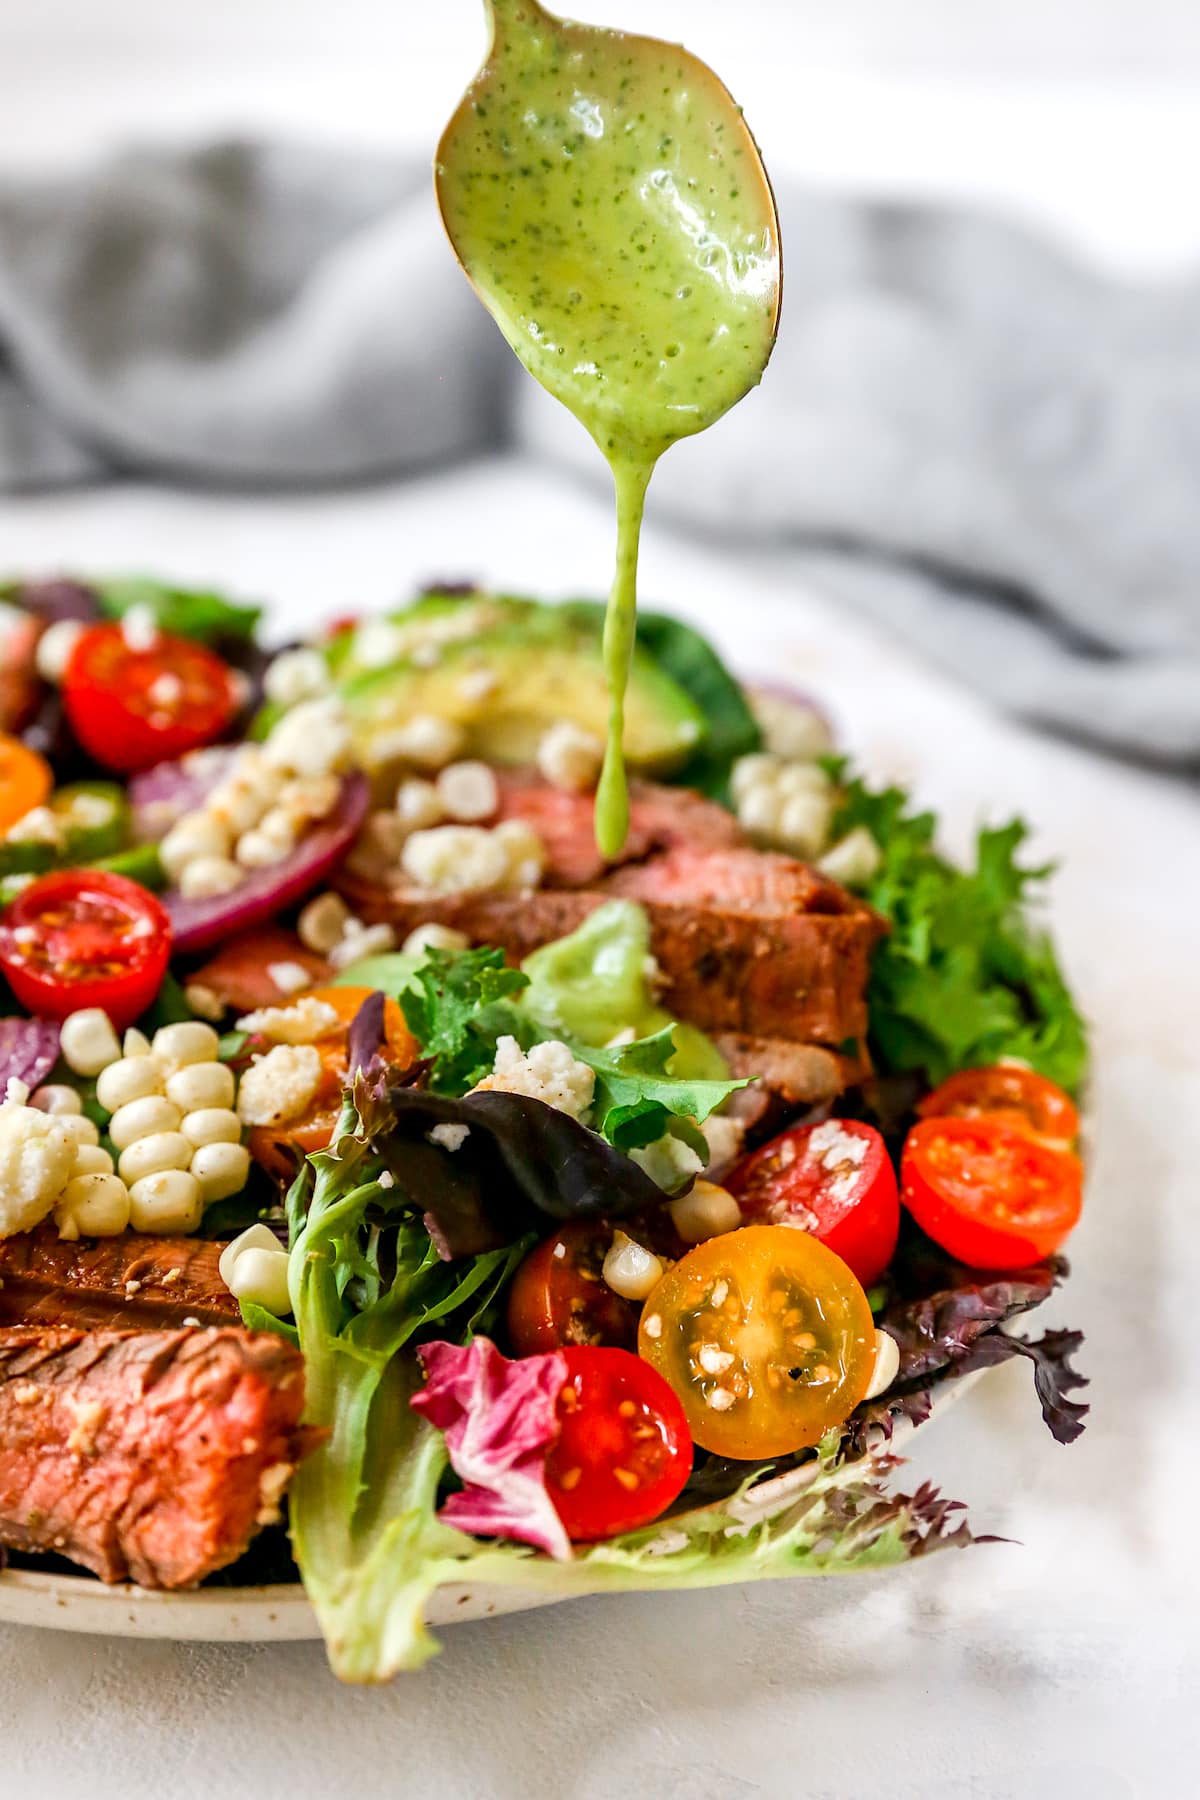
<point>788,959</point>
<point>130,1281</point>
<point>659,819</point>
<point>148,1456</point>
<point>755,943</point>
<point>798,1074</point>
<point>747,941</point>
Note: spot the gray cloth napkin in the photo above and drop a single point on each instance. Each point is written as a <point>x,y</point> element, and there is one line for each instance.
<point>992,449</point>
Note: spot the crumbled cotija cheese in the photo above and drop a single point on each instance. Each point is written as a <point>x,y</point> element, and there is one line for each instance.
<point>841,1153</point>
<point>449,1135</point>
<point>280,1085</point>
<point>548,1072</point>
<point>298,1023</point>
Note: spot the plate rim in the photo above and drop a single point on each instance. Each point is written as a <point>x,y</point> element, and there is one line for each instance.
<point>279,1612</point>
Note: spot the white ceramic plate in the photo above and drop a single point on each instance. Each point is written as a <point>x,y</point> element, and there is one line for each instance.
<point>252,1615</point>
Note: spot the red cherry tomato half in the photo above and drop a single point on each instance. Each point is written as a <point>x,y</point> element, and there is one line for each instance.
<point>81,937</point>
<point>992,1197</point>
<point>624,1450</point>
<point>1009,1095</point>
<point>836,1180</point>
<point>558,1296</point>
<point>132,707</point>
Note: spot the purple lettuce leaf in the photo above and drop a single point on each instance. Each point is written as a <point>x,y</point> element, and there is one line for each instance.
<point>365,1037</point>
<point>936,1327</point>
<point>520,1164</point>
<point>499,1419</point>
<point>947,1319</point>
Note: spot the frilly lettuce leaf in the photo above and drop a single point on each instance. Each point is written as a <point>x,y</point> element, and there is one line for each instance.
<point>459,1005</point>
<point>365,1279</point>
<point>499,1418</point>
<point>965,975</point>
<point>828,1517</point>
<point>949,1321</point>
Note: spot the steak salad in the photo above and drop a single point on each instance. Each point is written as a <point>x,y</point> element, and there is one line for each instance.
<point>377,1154</point>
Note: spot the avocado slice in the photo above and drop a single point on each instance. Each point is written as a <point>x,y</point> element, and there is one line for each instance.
<point>425,627</point>
<point>417,631</point>
<point>507,686</point>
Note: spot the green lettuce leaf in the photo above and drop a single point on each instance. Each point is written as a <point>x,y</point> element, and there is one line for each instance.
<point>965,976</point>
<point>191,613</point>
<point>458,1007</point>
<point>363,1284</point>
<point>828,1516</point>
<point>460,1003</point>
<point>637,1099</point>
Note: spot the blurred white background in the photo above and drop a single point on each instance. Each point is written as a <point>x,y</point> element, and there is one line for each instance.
<point>1084,114</point>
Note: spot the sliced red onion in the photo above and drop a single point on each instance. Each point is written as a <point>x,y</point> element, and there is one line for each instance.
<point>266,892</point>
<point>164,793</point>
<point>28,1051</point>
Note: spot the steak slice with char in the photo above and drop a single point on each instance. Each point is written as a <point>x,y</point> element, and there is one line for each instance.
<point>148,1456</point>
<point>755,943</point>
<point>130,1281</point>
<point>660,818</point>
<point>238,976</point>
<point>745,941</point>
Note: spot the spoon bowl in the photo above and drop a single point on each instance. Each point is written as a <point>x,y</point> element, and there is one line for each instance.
<point>606,199</point>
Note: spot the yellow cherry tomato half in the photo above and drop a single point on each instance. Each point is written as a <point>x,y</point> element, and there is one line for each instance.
<point>766,1337</point>
<point>25,780</point>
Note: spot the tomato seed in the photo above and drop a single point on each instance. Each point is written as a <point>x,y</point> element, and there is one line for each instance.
<point>627,1479</point>
<point>627,1409</point>
<point>570,1479</point>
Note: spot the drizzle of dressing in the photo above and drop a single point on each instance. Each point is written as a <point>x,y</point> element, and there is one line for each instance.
<point>608,203</point>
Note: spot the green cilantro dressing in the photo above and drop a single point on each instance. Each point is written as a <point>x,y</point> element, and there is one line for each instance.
<point>607,202</point>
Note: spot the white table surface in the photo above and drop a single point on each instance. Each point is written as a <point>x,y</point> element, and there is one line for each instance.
<point>1058,1667</point>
